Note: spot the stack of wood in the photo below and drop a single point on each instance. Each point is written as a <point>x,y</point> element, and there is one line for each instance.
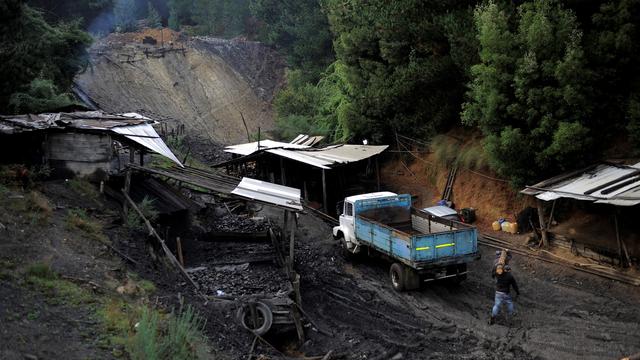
<point>502,261</point>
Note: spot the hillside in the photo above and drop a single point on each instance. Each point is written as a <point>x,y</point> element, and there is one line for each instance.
<point>207,84</point>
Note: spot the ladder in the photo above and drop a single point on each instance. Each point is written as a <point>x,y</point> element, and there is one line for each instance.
<point>448,189</point>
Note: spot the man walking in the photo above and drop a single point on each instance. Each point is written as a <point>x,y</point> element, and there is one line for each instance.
<point>504,282</point>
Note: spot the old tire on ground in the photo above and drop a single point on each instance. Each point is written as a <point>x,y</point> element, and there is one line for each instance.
<point>264,317</point>
<point>397,275</point>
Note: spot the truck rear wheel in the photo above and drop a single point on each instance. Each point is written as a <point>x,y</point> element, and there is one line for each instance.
<point>397,277</point>
<point>403,277</point>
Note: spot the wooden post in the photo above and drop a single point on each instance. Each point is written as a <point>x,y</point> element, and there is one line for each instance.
<point>282,173</point>
<point>324,191</point>
<point>377,173</point>
<point>132,155</point>
<point>179,250</point>
<point>292,233</point>
<point>543,230</point>
<point>141,157</point>
<point>284,229</point>
<point>152,232</point>
<point>622,247</point>
<point>553,207</point>
<point>127,186</point>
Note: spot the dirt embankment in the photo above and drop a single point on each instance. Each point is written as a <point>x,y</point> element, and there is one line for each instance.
<point>423,175</point>
<point>220,89</point>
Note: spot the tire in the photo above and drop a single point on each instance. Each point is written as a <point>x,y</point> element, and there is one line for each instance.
<point>263,314</point>
<point>397,275</point>
<point>344,249</point>
<point>458,279</point>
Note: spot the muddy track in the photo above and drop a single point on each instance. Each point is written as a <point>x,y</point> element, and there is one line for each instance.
<point>562,314</point>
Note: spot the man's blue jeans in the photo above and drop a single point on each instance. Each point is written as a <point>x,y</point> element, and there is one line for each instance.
<point>502,298</point>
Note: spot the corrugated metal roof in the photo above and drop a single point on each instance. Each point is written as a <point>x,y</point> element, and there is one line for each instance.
<point>269,193</point>
<point>133,126</point>
<point>324,158</point>
<point>603,184</point>
<point>94,120</point>
<point>250,148</point>
<point>146,135</point>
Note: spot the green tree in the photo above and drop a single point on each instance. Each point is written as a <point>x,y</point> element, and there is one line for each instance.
<point>125,15</point>
<point>39,60</point>
<point>399,65</point>
<point>300,29</point>
<point>153,17</point>
<point>317,109</point>
<point>530,93</point>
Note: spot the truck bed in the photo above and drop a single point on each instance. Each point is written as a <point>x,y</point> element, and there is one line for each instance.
<point>413,237</point>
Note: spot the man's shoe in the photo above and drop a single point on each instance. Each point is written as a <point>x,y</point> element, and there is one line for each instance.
<point>492,320</point>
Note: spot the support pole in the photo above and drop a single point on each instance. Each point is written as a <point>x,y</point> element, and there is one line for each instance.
<point>543,229</point>
<point>282,173</point>
<point>292,233</point>
<point>553,207</point>
<point>324,191</point>
<point>378,173</point>
<point>179,250</point>
<point>284,229</point>
<point>127,186</point>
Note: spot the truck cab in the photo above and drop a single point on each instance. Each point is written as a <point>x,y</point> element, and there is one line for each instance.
<point>346,230</point>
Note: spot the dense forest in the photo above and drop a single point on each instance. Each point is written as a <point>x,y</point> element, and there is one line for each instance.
<point>549,84</point>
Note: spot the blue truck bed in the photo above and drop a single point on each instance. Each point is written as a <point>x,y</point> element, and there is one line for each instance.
<point>419,240</point>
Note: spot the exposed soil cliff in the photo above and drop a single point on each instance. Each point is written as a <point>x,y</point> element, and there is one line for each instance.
<point>220,89</point>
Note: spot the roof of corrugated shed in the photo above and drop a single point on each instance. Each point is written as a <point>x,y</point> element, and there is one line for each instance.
<point>604,183</point>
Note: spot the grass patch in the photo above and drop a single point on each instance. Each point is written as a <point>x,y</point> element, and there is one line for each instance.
<point>79,219</point>
<point>147,286</point>
<point>83,187</point>
<point>59,290</point>
<point>178,336</point>
<point>445,150</point>
<point>156,335</point>
<point>448,151</point>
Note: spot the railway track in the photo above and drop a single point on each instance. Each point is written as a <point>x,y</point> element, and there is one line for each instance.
<point>547,256</point>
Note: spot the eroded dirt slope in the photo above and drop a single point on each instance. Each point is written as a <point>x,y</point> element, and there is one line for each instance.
<point>209,85</point>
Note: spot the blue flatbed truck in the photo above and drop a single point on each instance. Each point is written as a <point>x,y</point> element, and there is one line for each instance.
<point>422,247</point>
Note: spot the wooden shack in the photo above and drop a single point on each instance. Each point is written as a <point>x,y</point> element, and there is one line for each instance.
<point>85,143</point>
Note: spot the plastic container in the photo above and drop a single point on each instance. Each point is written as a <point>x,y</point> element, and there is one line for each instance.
<point>505,226</point>
<point>513,228</point>
<point>496,226</point>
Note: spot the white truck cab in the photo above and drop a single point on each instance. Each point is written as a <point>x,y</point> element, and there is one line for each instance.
<point>345,231</point>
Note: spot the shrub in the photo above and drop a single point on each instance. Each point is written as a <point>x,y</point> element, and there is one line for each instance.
<point>132,219</point>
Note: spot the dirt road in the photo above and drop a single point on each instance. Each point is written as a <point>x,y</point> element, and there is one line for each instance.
<point>562,314</point>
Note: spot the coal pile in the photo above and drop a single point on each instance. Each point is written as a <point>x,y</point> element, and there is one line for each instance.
<point>238,223</point>
<point>240,280</point>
